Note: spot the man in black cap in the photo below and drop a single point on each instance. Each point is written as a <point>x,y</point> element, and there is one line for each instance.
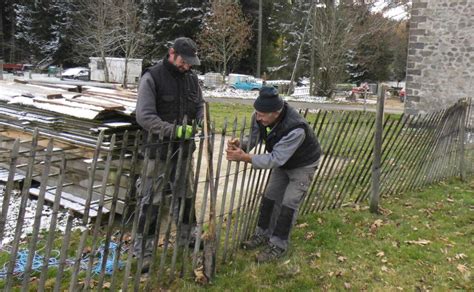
<point>168,92</point>
<point>293,154</point>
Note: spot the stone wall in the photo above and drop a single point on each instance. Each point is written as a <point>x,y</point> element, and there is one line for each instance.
<point>440,65</point>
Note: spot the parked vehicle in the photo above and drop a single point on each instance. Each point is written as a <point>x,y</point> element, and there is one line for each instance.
<point>247,85</point>
<point>402,95</point>
<point>79,73</point>
<point>17,69</point>
<point>10,67</point>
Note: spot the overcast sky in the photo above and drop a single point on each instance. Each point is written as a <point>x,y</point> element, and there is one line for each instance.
<point>397,13</point>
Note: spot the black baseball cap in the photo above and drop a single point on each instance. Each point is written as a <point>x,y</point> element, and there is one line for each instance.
<point>187,49</point>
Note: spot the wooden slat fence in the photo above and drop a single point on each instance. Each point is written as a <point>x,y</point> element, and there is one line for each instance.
<point>96,253</point>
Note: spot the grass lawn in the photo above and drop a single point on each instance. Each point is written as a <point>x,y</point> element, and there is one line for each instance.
<point>423,241</point>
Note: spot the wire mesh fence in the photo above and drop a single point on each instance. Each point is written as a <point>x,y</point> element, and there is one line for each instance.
<point>101,240</point>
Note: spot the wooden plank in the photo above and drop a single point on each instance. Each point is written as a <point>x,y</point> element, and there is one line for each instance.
<point>64,252</point>
<point>70,202</point>
<point>98,221</point>
<point>53,224</point>
<point>54,96</point>
<point>226,184</point>
<point>210,240</point>
<point>378,140</point>
<point>37,218</point>
<point>21,213</point>
<point>9,186</point>
<point>97,102</point>
<point>4,176</point>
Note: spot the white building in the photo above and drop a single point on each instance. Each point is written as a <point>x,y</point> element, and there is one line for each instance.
<point>116,68</point>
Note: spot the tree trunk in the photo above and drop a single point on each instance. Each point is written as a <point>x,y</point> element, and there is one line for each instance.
<point>106,68</point>
<point>290,88</point>
<point>125,74</point>
<point>12,38</point>
<point>2,38</point>
<point>259,46</point>
<point>2,49</point>
<point>224,69</point>
<point>313,45</point>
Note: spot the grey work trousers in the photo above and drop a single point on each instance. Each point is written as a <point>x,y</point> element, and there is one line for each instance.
<point>279,208</point>
<point>178,187</point>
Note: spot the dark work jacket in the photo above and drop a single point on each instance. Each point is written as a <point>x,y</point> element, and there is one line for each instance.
<point>308,152</point>
<point>177,95</point>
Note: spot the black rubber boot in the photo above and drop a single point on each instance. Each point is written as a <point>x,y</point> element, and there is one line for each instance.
<point>266,210</point>
<point>284,222</point>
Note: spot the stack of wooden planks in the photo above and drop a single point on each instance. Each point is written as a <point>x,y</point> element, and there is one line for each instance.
<point>72,113</point>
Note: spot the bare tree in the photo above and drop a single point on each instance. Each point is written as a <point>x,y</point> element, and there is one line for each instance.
<point>226,33</point>
<point>337,29</point>
<point>132,36</point>
<point>98,30</point>
<point>2,50</point>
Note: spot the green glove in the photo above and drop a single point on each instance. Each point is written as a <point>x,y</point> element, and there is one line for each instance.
<point>268,129</point>
<point>187,132</point>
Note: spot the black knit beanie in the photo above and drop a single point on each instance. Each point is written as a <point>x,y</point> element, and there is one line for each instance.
<point>268,100</point>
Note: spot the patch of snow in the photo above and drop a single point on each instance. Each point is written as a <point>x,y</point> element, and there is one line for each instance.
<point>83,113</point>
<point>14,210</point>
<point>357,100</point>
<point>242,94</point>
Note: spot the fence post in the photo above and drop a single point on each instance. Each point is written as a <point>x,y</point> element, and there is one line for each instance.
<point>210,240</point>
<point>374,199</point>
<point>462,140</point>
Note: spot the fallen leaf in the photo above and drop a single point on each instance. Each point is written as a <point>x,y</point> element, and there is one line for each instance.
<point>317,254</point>
<point>106,285</point>
<point>341,259</point>
<point>421,242</point>
<point>384,269</point>
<point>377,223</point>
<point>460,256</point>
<point>380,254</point>
<point>199,276</point>
<point>302,225</point>
<point>330,274</point>
<point>320,221</point>
<point>291,271</point>
<point>339,273</point>
<point>286,262</point>
<point>462,268</point>
<point>384,211</point>
<point>384,260</point>
<point>347,285</point>
<point>450,200</point>
<point>415,229</point>
<point>309,235</point>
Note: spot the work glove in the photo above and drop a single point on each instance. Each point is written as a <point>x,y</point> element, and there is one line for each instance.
<point>268,130</point>
<point>184,131</point>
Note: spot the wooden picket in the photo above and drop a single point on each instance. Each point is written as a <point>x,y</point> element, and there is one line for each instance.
<point>414,151</point>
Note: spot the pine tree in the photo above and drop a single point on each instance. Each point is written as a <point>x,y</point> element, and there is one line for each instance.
<point>168,20</point>
<point>42,26</point>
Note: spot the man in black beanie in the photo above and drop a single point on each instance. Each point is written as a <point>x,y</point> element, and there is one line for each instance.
<point>293,154</point>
